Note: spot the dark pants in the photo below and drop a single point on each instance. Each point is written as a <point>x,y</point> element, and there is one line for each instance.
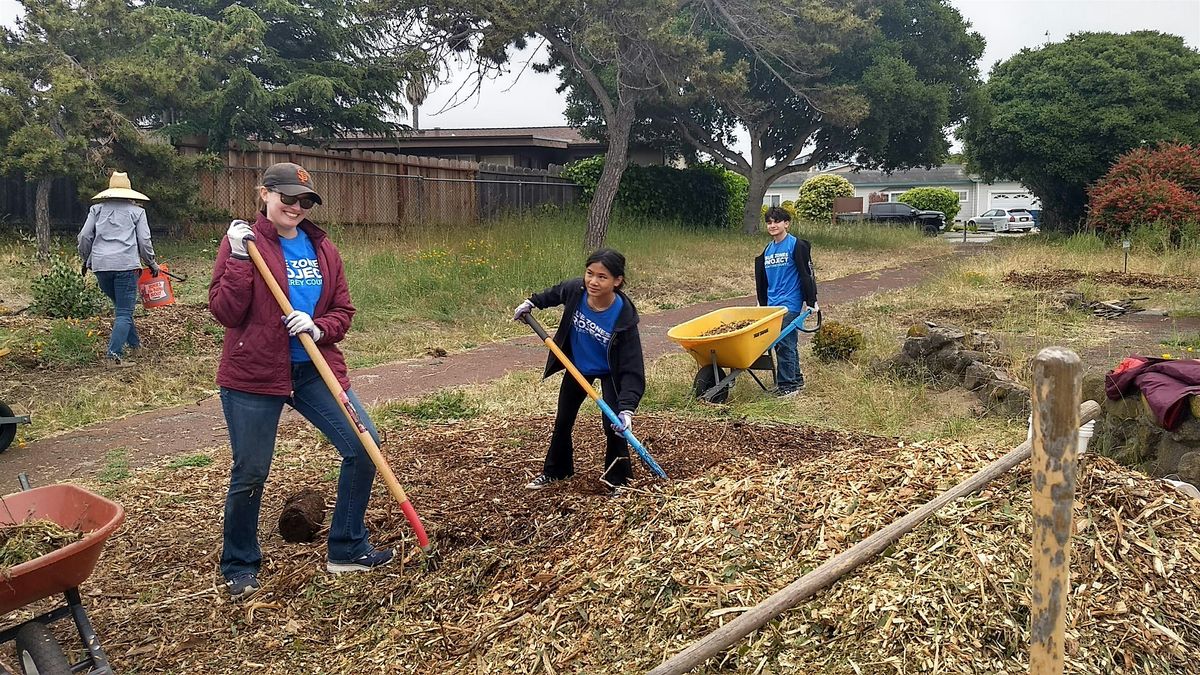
<point>253,420</point>
<point>787,359</point>
<point>121,288</point>
<point>560,460</point>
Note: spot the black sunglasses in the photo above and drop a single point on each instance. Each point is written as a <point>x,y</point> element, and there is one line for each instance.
<point>305,202</point>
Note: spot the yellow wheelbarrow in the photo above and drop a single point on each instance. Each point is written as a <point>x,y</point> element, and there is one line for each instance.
<point>744,348</point>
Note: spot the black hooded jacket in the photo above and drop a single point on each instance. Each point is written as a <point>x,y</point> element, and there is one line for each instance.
<point>802,259</point>
<point>624,349</point>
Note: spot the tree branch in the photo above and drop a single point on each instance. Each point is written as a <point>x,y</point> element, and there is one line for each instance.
<point>697,136</point>
<point>567,52</point>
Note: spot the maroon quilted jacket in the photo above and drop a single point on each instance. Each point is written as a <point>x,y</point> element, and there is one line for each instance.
<point>255,357</point>
<point>1166,383</point>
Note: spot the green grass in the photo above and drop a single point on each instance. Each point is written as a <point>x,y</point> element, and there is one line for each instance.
<point>116,466</point>
<point>196,460</point>
<point>414,289</point>
<point>441,406</point>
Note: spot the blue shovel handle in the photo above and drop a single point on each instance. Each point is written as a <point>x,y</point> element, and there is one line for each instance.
<point>633,441</point>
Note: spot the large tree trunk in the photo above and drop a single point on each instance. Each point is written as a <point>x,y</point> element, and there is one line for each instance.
<point>41,217</point>
<point>610,178</point>
<point>752,216</point>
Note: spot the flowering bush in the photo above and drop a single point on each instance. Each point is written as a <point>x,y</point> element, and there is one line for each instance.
<point>817,194</point>
<point>1148,186</point>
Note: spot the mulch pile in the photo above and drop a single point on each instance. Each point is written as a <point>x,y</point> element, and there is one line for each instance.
<point>177,329</point>
<point>1057,279</point>
<point>727,327</point>
<point>568,580</point>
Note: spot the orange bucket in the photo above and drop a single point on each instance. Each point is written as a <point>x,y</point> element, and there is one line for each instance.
<point>156,291</point>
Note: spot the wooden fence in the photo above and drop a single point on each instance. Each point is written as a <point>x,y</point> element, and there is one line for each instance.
<point>379,188</point>
<point>356,187</point>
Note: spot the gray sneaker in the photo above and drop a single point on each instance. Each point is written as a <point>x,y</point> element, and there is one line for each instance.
<point>242,586</point>
<point>541,482</point>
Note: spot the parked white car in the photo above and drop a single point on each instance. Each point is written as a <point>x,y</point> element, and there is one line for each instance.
<point>1003,220</point>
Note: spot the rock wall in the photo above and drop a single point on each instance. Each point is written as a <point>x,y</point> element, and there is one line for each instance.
<point>954,357</point>
<point>1128,433</point>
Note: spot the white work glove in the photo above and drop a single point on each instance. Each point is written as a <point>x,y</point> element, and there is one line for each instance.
<point>626,418</point>
<point>523,309</point>
<point>299,322</point>
<point>239,231</point>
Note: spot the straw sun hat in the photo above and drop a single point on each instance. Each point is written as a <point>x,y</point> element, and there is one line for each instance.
<point>119,187</point>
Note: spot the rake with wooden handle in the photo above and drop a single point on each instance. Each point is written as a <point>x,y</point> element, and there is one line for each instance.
<point>339,395</point>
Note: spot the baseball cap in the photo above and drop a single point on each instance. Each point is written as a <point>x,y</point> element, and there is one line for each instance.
<point>289,179</point>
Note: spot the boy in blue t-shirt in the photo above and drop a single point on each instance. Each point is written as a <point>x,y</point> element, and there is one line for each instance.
<point>783,277</point>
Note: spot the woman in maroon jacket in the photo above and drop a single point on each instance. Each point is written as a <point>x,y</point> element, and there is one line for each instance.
<point>263,366</point>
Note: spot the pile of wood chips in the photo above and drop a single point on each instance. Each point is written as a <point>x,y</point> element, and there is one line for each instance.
<point>566,580</point>
<point>727,327</point>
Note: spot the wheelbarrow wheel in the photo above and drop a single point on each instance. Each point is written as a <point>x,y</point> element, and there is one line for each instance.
<point>38,652</point>
<point>7,431</point>
<point>705,380</point>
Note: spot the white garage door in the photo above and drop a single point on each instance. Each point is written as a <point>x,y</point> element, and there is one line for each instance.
<point>1012,199</point>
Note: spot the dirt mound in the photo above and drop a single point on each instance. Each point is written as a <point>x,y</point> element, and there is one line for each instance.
<point>1056,279</point>
<point>566,580</point>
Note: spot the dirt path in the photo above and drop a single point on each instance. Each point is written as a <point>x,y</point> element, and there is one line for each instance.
<point>147,437</point>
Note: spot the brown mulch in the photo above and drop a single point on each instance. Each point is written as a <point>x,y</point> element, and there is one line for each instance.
<point>568,580</point>
<point>1056,279</point>
<point>175,329</point>
<point>727,327</point>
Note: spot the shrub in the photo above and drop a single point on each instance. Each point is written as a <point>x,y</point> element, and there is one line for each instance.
<point>933,199</point>
<point>1175,162</point>
<point>1159,186</point>
<point>63,293</point>
<point>817,194</point>
<point>1117,206</point>
<point>705,194</point>
<point>836,342</point>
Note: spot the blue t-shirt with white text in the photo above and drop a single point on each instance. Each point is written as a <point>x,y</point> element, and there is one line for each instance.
<point>591,332</point>
<point>783,282</point>
<point>304,281</point>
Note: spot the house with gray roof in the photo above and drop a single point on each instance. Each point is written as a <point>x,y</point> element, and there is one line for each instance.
<point>974,194</point>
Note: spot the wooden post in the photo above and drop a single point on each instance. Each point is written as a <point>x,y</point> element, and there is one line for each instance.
<point>841,564</point>
<point>1057,388</point>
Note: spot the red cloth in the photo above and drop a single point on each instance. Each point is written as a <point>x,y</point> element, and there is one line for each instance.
<point>1166,384</point>
<point>255,357</point>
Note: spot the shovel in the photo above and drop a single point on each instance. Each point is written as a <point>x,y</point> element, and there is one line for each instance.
<point>592,394</point>
<point>348,410</point>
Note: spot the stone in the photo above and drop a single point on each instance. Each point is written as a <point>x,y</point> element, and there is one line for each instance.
<point>1093,388</point>
<point>1125,408</point>
<point>1188,430</point>
<point>976,376</point>
<point>916,347</point>
<point>943,335</point>
<point>1188,468</point>
<point>1170,453</point>
<point>918,330</point>
<point>1069,299</point>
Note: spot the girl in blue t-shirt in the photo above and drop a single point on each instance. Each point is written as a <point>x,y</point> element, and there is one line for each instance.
<point>599,333</point>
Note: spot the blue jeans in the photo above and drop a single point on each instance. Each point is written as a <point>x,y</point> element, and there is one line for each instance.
<point>253,420</point>
<point>787,359</point>
<point>121,288</point>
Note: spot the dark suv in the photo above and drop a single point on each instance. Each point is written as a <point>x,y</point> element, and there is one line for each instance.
<point>931,222</point>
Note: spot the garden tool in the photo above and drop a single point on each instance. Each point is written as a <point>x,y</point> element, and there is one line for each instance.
<point>339,394</point>
<point>594,395</point>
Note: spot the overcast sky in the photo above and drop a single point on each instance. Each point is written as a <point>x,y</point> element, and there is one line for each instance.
<point>1007,25</point>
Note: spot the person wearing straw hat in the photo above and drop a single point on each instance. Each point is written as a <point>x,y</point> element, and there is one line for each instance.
<point>113,243</point>
<point>264,366</point>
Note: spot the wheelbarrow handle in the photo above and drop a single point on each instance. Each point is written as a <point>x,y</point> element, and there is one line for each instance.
<point>797,324</point>
<point>587,387</point>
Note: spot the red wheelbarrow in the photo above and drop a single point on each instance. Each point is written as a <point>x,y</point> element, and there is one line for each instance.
<point>60,571</point>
